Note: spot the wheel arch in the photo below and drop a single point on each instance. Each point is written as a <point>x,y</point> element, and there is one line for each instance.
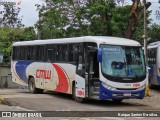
<point>73,85</point>
<point>29,78</point>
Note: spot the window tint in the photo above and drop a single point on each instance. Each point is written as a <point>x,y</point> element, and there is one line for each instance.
<point>39,56</point>
<point>50,50</point>
<point>65,52</point>
<point>58,52</point>
<point>72,51</point>
<point>152,55</point>
<point>15,53</point>
<point>31,53</point>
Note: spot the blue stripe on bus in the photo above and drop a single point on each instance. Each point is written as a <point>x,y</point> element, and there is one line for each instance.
<point>105,93</point>
<point>158,80</point>
<point>21,70</point>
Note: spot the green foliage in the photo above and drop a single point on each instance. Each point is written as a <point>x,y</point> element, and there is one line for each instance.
<point>9,35</point>
<point>59,18</point>
<point>29,33</point>
<point>11,30</point>
<point>154,33</point>
<point>10,16</point>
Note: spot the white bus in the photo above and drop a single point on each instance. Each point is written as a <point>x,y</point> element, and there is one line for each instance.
<point>94,67</point>
<point>154,63</point>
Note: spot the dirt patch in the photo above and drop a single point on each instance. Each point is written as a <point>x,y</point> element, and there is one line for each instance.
<point>2,101</point>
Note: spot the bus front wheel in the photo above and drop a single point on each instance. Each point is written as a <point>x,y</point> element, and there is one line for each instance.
<point>32,87</point>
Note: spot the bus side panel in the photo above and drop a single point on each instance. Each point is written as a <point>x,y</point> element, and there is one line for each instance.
<point>80,86</point>
<point>19,72</point>
<point>64,75</point>
<point>158,66</point>
<point>37,70</point>
<point>57,77</point>
<point>153,74</point>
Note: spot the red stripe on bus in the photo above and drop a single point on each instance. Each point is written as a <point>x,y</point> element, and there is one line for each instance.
<point>63,82</point>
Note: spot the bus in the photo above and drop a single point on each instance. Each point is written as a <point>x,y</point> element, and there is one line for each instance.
<point>89,67</point>
<point>154,63</point>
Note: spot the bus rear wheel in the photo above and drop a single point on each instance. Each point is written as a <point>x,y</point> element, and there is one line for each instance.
<point>32,87</point>
<point>77,99</point>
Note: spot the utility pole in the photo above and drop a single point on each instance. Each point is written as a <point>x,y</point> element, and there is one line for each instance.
<point>145,50</point>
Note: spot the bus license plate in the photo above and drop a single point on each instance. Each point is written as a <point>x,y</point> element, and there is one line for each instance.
<point>127,94</point>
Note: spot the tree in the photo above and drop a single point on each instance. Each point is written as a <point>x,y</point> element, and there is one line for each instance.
<point>9,35</point>
<point>11,30</point>
<point>154,33</point>
<point>89,17</point>
<point>29,33</point>
<point>10,16</point>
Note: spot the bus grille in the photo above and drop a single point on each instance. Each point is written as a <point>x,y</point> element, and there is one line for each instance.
<point>126,88</point>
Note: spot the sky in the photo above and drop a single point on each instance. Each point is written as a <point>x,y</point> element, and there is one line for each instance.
<point>155,7</point>
<point>28,11</point>
<point>30,15</point>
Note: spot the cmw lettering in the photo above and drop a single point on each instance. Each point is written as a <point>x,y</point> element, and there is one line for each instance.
<point>46,74</point>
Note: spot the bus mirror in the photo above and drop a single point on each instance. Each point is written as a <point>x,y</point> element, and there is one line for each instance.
<point>99,57</point>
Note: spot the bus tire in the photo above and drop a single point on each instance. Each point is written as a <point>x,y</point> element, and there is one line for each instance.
<point>32,87</point>
<point>77,99</point>
<point>117,100</point>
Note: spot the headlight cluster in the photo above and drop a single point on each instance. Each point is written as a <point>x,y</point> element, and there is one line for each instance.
<point>142,87</point>
<point>108,86</point>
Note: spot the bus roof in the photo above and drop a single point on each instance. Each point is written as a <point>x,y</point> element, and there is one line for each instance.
<point>96,39</point>
<point>153,45</point>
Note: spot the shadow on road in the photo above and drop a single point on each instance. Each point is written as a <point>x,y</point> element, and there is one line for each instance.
<point>101,103</point>
<point>155,88</point>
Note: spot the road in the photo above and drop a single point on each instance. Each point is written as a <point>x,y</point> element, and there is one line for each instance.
<point>22,100</point>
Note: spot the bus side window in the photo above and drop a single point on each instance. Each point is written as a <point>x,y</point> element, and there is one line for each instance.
<point>72,52</point>
<point>50,55</point>
<point>37,53</point>
<point>31,53</point>
<point>65,52</point>
<point>59,53</point>
<point>14,55</point>
<point>41,53</point>
<point>152,56</point>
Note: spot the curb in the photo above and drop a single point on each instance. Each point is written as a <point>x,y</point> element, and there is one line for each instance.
<point>1,100</point>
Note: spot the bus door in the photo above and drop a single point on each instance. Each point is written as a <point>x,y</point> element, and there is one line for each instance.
<point>92,72</point>
<point>80,81</point>
<point>87,72</point>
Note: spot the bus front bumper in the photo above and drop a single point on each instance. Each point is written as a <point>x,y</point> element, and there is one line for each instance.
<point>105,93</point>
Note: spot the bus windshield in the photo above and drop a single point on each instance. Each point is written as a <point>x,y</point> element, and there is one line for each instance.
<point>123,61</point>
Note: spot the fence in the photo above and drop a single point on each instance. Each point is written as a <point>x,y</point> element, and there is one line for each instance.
<point>5,77</point>
<point>6,82</point>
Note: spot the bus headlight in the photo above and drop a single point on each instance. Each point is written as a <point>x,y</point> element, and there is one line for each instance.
<point>142,87</point>
<point>108,86</point>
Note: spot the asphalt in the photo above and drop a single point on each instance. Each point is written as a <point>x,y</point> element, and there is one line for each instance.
<point>148,103</point>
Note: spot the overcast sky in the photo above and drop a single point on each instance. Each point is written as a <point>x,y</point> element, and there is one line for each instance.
<point>155,7</point>
<point>30,15</point>
<point>28,11</point>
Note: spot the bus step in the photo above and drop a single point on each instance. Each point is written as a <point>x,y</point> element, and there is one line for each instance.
<point>95,97</point>
<point>95,93</point>
<point>95,79</point>
<point>96,89</point>
<point>96,84</point>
